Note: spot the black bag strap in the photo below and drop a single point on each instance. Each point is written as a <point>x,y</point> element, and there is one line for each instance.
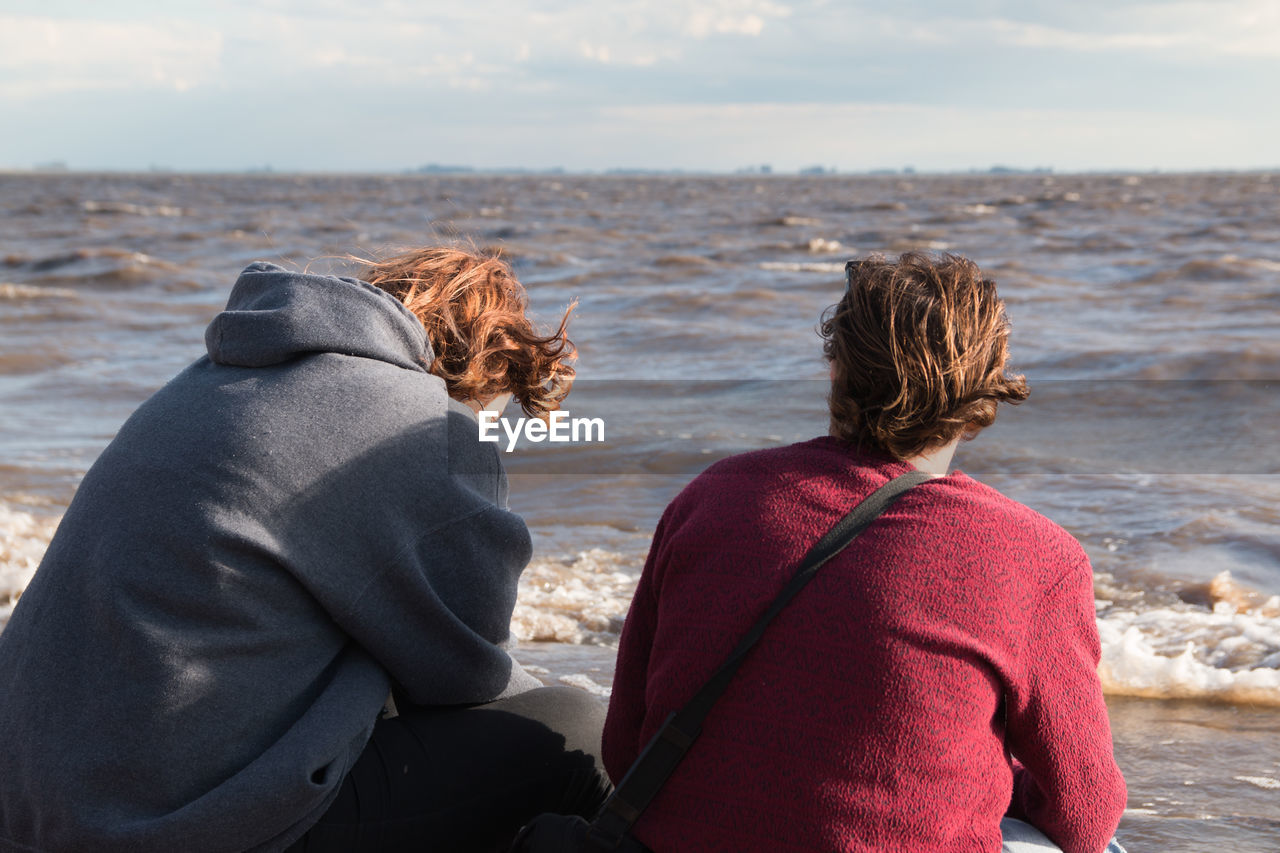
<point>664,752</point>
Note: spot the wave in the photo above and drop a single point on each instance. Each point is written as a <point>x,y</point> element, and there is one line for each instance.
<point>36,359</point>
<point>823,246</point>
<point>19,292</point>
<point>580,601</point>
<point>803,266</point>
<point>793,221</point>
<point>23,540</point>
<point>1099,242</point>
<point>919,244</point>
<point>1223,644</point>
<point>741,302</point>
<point>684,261</point>
<point>1228,651</point>
<point>124,207</point>
<point>550,258</point>
<point>1256,364</point>
<point>95,267</point>
<point>1222,268</point>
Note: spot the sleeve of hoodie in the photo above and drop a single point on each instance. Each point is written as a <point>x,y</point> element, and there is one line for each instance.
<point>1066,783</point>
<point>437,616</point>
<point>436,613</point>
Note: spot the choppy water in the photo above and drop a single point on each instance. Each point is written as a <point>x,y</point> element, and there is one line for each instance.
<point>1146,314</point>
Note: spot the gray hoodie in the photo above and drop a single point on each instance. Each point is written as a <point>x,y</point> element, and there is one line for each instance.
<point>295,523</point>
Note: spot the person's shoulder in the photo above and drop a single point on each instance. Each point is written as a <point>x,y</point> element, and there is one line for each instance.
<point>1019,524</point>
<point>463,443</point>
<point>749,463</point>
<point>759,467</point>
<point>748,478</point>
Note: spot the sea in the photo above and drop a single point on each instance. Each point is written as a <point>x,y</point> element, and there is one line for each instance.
<point>1145,312</point>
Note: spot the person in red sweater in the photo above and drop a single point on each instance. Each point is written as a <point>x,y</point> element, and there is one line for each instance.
<point>937,678</point>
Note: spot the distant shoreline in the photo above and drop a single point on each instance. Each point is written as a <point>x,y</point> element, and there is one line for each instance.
<point>622,172</point>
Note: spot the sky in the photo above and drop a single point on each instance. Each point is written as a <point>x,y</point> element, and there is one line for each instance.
<point>589,85</point>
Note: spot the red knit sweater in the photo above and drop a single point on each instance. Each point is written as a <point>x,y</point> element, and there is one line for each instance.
<point>879,710</point>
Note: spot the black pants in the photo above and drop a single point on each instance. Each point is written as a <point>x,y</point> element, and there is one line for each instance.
<point>466,779</point>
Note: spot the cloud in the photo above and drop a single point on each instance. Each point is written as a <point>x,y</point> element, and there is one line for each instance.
<point>730,17</point>
<point>1041,36</point>
<point>480,43</point>
<point>1193,28</point>
<point>41,56</point>
<point>549,67</point>
<point>1233,28</point>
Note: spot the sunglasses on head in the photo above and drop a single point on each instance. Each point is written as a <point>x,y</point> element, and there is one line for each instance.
<point>849,267</point>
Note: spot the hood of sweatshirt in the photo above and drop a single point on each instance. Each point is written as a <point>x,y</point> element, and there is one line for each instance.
<point>274,315</point>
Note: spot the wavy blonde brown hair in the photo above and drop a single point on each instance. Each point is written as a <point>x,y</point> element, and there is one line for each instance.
<point>918,349</point>
<point>473,309</point>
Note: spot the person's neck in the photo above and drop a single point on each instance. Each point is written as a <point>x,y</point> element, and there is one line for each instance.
<point>934,461</point>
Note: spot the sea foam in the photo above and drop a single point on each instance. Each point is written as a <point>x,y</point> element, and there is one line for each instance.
<point>1229,651</point>
<point>23,539</point>
<point>582,599</point>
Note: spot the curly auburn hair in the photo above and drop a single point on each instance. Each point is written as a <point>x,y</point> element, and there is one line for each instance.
<point>473,309</point>
<point>918,350</point>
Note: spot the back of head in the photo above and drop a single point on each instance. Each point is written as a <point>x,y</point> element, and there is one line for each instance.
<point>473,309</point>
<point>918,349</point>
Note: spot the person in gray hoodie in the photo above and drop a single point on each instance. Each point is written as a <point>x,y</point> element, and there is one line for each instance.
<point>297,528</point>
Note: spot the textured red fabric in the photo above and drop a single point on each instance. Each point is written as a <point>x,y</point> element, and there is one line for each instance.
<point>879,711</point>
